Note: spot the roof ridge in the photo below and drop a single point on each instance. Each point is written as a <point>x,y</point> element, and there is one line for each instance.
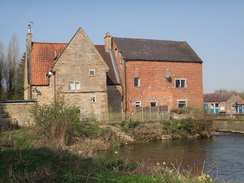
<point>47,43</point>
<point>147,39</point>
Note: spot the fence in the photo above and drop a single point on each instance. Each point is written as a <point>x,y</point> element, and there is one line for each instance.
<point>142,114</point>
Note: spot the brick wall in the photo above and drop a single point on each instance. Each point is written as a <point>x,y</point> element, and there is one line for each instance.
<point>154,87</point>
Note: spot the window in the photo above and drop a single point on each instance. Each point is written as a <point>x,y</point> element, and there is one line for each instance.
<point>136,82</point>
<point>92,72</point>
<point>181,103</point>
<point>153,104</point>
<point>233,106</point>
<point>93,98</point>
<point>138,103</point>
<point>74,85</point>
<point>180,83</point>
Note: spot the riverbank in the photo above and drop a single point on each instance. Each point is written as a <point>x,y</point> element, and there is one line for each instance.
<point>28,157</point>
<point>229,126</point>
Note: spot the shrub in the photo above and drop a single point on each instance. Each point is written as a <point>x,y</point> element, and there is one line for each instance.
<point>126,126</point>
<point>62,122</point>
<point>178,127</point>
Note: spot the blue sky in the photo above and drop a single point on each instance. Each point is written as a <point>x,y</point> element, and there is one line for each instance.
<point>213,28</point>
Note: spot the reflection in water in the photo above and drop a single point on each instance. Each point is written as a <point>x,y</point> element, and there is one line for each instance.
<point>221,156</point>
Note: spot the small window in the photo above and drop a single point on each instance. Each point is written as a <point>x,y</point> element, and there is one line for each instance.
<point>138,103</point>
<point>137,82</point>
<point>180,83</point>
<point>181,103</point>
<point>91,72</point>
<point>153,104</point>
<point>74,85</point>
<point>93,98</point>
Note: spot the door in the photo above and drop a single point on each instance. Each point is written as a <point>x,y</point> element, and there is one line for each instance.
<point>214,108</point>
<point>206,107</point>
<point>240,110</point>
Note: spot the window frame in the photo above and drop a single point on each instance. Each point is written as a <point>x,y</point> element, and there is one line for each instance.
<point>92,70</point>
<point>75,85</point>
<point>93,98</point>
<point>137,82</point>
<point>182,100</point>
<point>180,82</point>
<point>137,103</point>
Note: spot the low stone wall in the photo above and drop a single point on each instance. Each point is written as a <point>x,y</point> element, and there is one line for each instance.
<point>16,112</point>
<point>229,126</point>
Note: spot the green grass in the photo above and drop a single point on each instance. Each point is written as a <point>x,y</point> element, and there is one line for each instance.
<point>47,165</point>
<point>23,161</point>
<point>36,154</point>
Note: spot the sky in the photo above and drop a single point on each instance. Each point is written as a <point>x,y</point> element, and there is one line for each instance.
<point>213,28</point>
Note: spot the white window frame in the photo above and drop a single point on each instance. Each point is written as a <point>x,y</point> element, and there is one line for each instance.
<point>137,82</point>
<point>93,98</point>
<point>179,102</point>
<point>74,85</point>
<point>91,71</point>
<point>180,83</point>
<point>137,103</point>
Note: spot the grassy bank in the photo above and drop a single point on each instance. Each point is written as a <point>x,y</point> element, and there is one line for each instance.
<point>23,161</point>
<point>59,148</point>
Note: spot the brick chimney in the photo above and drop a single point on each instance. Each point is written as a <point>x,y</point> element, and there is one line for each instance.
<point>27,82</point>
<point>29,37</point>
<point>107,42</point>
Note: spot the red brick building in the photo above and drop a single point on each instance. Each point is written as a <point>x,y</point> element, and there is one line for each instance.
<point>156,72</point>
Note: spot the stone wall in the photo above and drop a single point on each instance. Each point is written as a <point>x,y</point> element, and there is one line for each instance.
<point>229,126</point>
<point>75,64</point>
<point>16,112</point>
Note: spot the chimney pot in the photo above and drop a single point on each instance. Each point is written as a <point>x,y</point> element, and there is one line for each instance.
<point>29,29</point>
<point>107,34</point>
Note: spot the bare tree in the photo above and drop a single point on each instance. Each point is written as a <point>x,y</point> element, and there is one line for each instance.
<point>13,60</point>
<point>2,68</point>
<point>221,91</point>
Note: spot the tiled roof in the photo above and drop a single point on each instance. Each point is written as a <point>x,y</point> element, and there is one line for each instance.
<point>111,78</point>
<point>217,97</point>
<point>241,102</point>
<point>42,59</point>
<point>156,50</point>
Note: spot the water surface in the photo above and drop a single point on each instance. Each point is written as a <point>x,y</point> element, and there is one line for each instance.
<point>221,156</point>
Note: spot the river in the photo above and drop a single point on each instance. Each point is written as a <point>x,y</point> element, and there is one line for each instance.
<point>221,156</point>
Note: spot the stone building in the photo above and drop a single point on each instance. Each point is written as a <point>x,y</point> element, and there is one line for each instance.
<point>120,75</point>
<point>75,72</point>
<point>155,73</point>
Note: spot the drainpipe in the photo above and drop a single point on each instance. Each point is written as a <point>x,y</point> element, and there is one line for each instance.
<point>54,87</point>
<point>125,88</point>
